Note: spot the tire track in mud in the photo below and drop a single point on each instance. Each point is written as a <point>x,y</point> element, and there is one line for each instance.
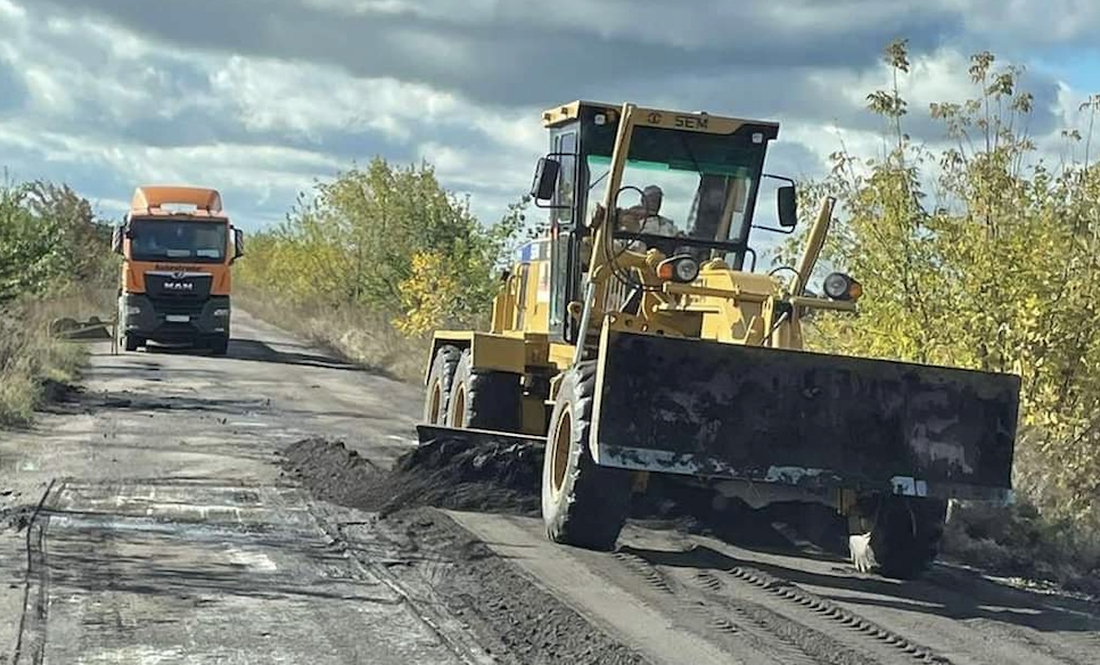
<point>471,599</point>
<point>424,605</point>
<point>808,605</point>
<point>1000,642</point>
<point>737,624</point>
<point>30,645</point>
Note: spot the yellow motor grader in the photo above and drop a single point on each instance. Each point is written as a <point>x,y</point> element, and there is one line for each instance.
<point>636,338</point>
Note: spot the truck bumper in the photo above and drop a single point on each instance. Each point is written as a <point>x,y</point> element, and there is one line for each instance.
<point>808,420</point>
<point>174,321</point>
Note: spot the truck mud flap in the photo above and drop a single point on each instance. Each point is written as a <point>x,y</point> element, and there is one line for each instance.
<point>705,408</point>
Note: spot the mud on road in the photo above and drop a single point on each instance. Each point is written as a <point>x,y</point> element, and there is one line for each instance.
<point>431,553</point>
<point>676,574</point>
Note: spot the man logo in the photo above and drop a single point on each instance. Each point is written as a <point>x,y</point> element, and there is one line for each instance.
<point>179,286</point>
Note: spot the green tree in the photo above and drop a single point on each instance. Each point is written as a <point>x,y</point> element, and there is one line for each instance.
<point>389,240</point>
<point>980,256</point>
<point>49,240</point>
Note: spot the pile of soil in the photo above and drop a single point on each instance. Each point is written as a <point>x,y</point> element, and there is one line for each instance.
<point>505,477</point>
<point>445,473</point>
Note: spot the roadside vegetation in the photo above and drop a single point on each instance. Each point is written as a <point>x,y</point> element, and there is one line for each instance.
<point>375,260</point>
<point>55,261</point>
<point>983,254</point>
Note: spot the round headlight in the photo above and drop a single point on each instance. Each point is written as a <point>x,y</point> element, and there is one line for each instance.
<point>839,286</point>
<point>686,270</point>
<point>678,269</point>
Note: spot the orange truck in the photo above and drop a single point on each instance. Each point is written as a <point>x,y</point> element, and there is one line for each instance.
<point>177,246</point>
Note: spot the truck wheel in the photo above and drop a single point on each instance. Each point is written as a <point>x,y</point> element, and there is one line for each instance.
<point>904,538</point>
<point>583,504</point>
<point>483,399</point>
<point>130,343</point>
<point>440,379</point>
<point>220,346</point>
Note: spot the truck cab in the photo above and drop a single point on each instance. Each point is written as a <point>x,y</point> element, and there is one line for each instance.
<point>177,246</point>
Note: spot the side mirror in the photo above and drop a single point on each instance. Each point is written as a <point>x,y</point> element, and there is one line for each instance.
<point>238,243</point>
<point>787,200</point>
<point>116,239</point>
<point>546,179</point>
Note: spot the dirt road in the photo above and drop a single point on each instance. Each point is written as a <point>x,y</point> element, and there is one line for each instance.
<point>152,519</point>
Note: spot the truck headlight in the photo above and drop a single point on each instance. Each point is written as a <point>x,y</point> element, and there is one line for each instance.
<point>133,310</point>
<point>221,312</point>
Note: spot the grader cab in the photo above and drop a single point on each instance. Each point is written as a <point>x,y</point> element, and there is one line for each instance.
<point>636,338</point>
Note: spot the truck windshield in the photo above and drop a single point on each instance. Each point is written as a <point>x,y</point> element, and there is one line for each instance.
<point>165,239</point>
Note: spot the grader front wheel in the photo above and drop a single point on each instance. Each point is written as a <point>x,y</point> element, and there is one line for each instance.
<point>583,504</point>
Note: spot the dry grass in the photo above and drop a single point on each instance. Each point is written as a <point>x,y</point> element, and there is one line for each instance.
<point>30,360</point>
<point>1032,539</point>
<point>1019,541</point>
<point>358,336</point>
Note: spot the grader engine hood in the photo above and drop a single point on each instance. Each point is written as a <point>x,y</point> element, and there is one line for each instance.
<point>705,408</point>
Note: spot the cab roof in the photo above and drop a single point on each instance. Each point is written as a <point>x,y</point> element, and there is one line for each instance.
<point>148,200</point>
<point>572,110</point>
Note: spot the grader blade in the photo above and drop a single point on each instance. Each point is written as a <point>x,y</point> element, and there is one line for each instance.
<point>429,433</point>
<point>704,408</point>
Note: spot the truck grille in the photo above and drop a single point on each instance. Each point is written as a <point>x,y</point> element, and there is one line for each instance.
<point>182,285</point>
<point>187,306</point>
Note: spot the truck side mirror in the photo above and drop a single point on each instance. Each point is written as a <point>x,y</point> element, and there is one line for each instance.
<point>787,200</point>
<point>546,179</point>
<point>238,244</point>
<point>116,239</point>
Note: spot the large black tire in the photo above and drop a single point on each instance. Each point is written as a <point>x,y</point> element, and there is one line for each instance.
<point>440,379</point>
<point>583,504</point>
<point>904,538</point>
<point>130,342</point>
<point>483,399</point>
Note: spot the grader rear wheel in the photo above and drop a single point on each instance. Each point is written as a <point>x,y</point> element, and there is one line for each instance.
<point>482,399</point>
<point>903,539</point>
<point>583,504</point>
<point>440,379</point>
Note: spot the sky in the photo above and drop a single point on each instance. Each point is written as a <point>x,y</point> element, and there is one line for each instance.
<point>263,98</point>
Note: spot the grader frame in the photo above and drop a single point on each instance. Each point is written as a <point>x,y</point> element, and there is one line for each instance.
<point>631,352</point>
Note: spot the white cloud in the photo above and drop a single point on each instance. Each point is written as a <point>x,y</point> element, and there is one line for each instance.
<point>11,11</point>
<point>108,99</point>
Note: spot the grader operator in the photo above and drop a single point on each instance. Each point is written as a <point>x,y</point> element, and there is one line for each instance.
<point>629,348</point>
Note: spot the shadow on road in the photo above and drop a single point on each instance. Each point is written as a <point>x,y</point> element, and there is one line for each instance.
<point>257,351</point>
<point>186,559</point>
<point>943,593</point>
